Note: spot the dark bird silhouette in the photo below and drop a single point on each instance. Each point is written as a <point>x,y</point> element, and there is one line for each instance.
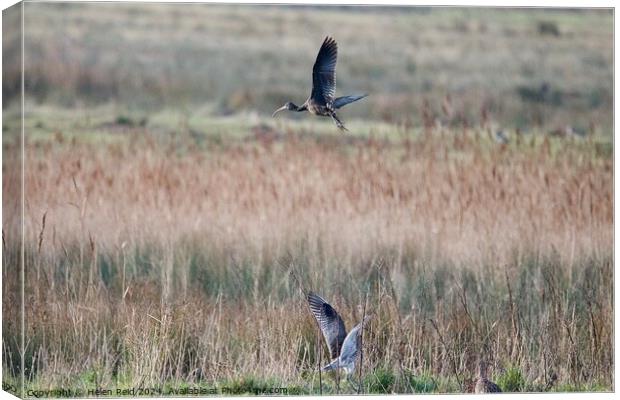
<point>321,101</point>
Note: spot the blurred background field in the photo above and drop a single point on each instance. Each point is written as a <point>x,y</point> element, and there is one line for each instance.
<point>471,200</point>
<point>522,68</point>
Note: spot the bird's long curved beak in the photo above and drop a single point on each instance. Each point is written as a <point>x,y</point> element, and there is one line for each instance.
<point>278,110</point>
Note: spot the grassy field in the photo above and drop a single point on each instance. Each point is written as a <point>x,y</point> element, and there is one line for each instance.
<point>171,224</point>
<point>520,68</point>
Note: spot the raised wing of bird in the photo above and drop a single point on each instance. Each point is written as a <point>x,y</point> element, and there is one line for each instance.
<point>324,73</point>
<point>351,345</point>
<point>349,352</point>
<point>330,322</point>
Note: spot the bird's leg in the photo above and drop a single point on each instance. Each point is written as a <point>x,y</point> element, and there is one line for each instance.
<point>337,120</point>
<point>337,372</point>
<point>352,383</point>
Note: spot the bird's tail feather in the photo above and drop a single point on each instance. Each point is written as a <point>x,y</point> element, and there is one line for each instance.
<point>344,100</point>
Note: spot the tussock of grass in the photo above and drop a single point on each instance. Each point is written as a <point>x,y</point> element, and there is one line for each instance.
<point>511,380</point>
<point>423,383</point>
<point>380,381</point>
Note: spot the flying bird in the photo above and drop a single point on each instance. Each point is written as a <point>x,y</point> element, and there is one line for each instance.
<point>321,101</point>
<point>343,347</point>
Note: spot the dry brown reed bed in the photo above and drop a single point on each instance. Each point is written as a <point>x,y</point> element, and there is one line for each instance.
<point>460,201</point>
<point>164,260</point>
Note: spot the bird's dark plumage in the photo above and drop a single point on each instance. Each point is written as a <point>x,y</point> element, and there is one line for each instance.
<point>324,72</point>
<point>330,322</point>
<point>344,100</point>
<point>321,101</point>
<point>483,384</point>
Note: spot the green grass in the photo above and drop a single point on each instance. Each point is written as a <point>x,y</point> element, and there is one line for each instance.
<point>106,124</point>
<point>511,380</point>
<point>378,382</point>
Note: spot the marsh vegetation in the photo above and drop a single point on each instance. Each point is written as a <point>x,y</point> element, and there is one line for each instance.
<point>165,211</point>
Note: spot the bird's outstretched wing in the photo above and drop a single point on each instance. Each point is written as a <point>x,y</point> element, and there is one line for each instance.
<point>351,344</point>
<point>344,100</point>
<point>324,72</point>
<point>330,322</point>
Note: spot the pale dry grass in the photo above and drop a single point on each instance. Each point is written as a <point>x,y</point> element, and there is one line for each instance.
<point>449,197</point>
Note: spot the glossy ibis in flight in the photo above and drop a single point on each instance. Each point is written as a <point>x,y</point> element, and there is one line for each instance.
<point>321,101</point>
